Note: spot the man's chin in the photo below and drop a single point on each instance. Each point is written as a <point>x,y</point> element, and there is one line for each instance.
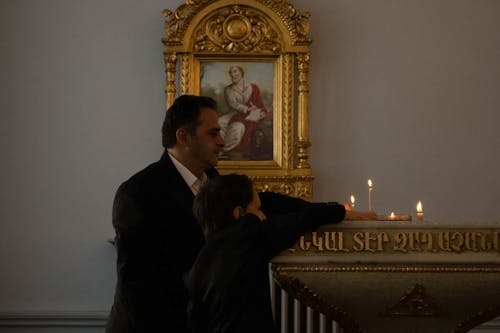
<point>213,163</point>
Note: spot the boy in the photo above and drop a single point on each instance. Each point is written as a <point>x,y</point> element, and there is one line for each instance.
<point>229,283</point>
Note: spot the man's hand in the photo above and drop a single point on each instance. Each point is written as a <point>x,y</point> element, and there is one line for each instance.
<point>353,215</point>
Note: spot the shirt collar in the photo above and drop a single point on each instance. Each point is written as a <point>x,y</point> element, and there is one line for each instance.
<point>187,175</point>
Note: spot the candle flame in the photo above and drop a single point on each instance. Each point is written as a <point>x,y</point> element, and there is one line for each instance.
<point>370,184</point>
<point>353,200</point>
<point>419,207</point>
<point>392,214</point>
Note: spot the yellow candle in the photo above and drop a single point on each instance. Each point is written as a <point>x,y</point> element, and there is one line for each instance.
<point>353,200</point>
<point>420,213</point>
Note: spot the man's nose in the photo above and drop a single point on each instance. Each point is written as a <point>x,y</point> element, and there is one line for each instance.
<point>220,142</point>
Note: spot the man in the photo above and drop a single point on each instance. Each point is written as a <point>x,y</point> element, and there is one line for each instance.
<point>157,236</point>
<point>229,281</point>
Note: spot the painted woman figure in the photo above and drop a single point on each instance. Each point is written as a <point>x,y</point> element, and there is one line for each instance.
<point>246,111</point>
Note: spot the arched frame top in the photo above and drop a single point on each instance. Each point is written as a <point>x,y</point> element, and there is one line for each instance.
<point>293,26</point>
<point>268,41</point>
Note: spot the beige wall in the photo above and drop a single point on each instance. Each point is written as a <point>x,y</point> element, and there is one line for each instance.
<point>405,92</point>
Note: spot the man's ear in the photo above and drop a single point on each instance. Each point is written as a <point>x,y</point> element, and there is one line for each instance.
<point>182,136</point>
<point>238,212</point>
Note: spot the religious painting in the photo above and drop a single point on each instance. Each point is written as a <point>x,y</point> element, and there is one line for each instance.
<point>253,58</point>
<point>244,92</point>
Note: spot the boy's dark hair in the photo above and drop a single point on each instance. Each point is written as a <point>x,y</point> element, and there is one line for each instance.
<point>184,113</point>
<point>213,206</point>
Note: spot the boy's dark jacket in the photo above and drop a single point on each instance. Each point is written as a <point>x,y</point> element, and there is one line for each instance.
<point>229,281</point>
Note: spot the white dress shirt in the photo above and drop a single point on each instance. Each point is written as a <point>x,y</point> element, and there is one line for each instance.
<point>191,180</point>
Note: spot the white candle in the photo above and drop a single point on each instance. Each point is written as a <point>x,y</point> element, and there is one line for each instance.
<point>370,187</point>
<point>353,200</point>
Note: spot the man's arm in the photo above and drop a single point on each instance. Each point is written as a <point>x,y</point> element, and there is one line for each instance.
<point>280,232</point>
<point>275,203</point>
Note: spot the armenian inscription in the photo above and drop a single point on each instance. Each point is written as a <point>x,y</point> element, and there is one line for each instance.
<point>403,242</point>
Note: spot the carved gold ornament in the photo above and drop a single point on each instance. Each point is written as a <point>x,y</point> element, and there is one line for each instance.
<point>296,23</point>
<point>237,29</point>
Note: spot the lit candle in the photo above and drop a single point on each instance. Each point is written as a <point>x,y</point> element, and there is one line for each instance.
<point>420,213</point>
<point>370,187</point>
<point>394,217</point>
<point>353,200</point>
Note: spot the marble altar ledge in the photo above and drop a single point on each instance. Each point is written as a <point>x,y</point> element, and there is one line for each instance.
<point>397,276</point>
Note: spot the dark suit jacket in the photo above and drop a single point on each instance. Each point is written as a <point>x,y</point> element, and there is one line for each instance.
<point>229,282</point>
<point>157,239</point>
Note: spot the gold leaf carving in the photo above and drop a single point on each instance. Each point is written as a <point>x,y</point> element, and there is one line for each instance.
<point>296,186</point>
<point>184,74</point>
<point>288,111</point>
<point>304,190</point>
<point>303,142</point>
<point>170,64</point>
<point>236,29</point>
<point>282,188</point>
<point>249,30</point>
<point>297,23</point>
<point>176,22</point>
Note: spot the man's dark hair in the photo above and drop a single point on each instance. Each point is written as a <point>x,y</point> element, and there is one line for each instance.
<point>184,113</point>
<point>213,206</point>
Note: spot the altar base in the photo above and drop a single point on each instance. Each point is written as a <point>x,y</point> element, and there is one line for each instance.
<point>397,277</point>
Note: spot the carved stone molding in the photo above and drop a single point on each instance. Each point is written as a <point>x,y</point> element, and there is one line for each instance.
<point>477,319</point>
<point>300,291</point>
<point>415,303</point>
<point>383,291</point>
<point>374,268</point>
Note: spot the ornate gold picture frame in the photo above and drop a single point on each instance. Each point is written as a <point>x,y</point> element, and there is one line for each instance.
<point>252,57</point>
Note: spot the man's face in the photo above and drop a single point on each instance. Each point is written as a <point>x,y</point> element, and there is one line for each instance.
<point>207,143</point>
<point>254,207</point>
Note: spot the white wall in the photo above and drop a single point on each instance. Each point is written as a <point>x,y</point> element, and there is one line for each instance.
<point>81,110</point>
<point>404,92</point>
<point>407,93</point>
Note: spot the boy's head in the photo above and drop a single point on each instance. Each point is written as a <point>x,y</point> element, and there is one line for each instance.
<point>223,200</point>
